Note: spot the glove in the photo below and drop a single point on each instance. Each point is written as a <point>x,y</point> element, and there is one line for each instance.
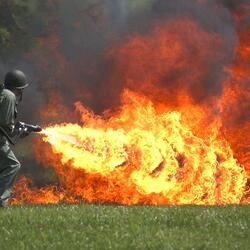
<point>21,130</point>
<point>24,134</point>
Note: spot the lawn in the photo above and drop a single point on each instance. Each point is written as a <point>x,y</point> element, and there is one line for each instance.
<point>120,227</point>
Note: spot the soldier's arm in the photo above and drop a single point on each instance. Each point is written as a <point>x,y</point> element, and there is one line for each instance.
<point>7,112</point>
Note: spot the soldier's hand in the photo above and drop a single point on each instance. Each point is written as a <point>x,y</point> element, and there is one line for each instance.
<point>24,134</point>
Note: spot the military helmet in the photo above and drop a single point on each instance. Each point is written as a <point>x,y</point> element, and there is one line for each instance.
<point>15,79</point>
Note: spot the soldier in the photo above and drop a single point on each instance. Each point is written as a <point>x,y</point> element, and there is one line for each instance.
<point>10,94</point>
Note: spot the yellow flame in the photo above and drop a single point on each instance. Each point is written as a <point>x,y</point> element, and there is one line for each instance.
<point>160,153</point>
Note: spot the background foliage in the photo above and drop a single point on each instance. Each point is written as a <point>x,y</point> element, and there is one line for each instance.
<point>21,22</point>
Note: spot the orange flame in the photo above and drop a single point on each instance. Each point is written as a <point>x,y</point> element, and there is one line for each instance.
<point>160,147</point>
<point>157,154</point>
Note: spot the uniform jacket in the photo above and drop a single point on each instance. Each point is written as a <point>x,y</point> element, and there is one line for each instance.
<point>8,110</point>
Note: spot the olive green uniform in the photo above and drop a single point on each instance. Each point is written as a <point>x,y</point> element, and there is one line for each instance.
<point>9,165</point>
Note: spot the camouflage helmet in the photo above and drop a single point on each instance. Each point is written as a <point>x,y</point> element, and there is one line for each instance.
<point>15,79</point>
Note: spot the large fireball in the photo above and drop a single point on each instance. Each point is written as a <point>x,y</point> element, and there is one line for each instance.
<point>173,123</point>
<point>157,154</point>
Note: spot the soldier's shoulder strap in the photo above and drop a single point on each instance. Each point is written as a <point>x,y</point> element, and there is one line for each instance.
<point>5,133</point>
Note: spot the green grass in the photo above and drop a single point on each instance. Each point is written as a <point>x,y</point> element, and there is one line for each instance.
<point>120,227</point>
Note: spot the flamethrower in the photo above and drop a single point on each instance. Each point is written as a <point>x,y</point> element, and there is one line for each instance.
<point>22,127</point>
<point>21,130</point>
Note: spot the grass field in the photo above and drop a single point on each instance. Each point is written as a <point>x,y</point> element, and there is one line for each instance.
<point>120,227</point>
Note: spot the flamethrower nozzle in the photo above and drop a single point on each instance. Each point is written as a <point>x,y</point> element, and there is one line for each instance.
<point>37,129</point>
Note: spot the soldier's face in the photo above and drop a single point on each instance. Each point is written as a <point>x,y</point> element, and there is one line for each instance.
<point>19,94</point>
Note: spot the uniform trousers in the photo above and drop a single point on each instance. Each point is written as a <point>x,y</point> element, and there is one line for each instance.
<point>9,167</point>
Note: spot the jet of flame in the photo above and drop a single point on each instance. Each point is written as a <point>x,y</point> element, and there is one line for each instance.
<point>155,152</point>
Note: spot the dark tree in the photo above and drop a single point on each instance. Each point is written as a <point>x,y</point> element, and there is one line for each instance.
<point>21,23</point>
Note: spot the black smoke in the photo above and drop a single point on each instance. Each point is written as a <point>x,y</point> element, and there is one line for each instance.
<point>86,30</point>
